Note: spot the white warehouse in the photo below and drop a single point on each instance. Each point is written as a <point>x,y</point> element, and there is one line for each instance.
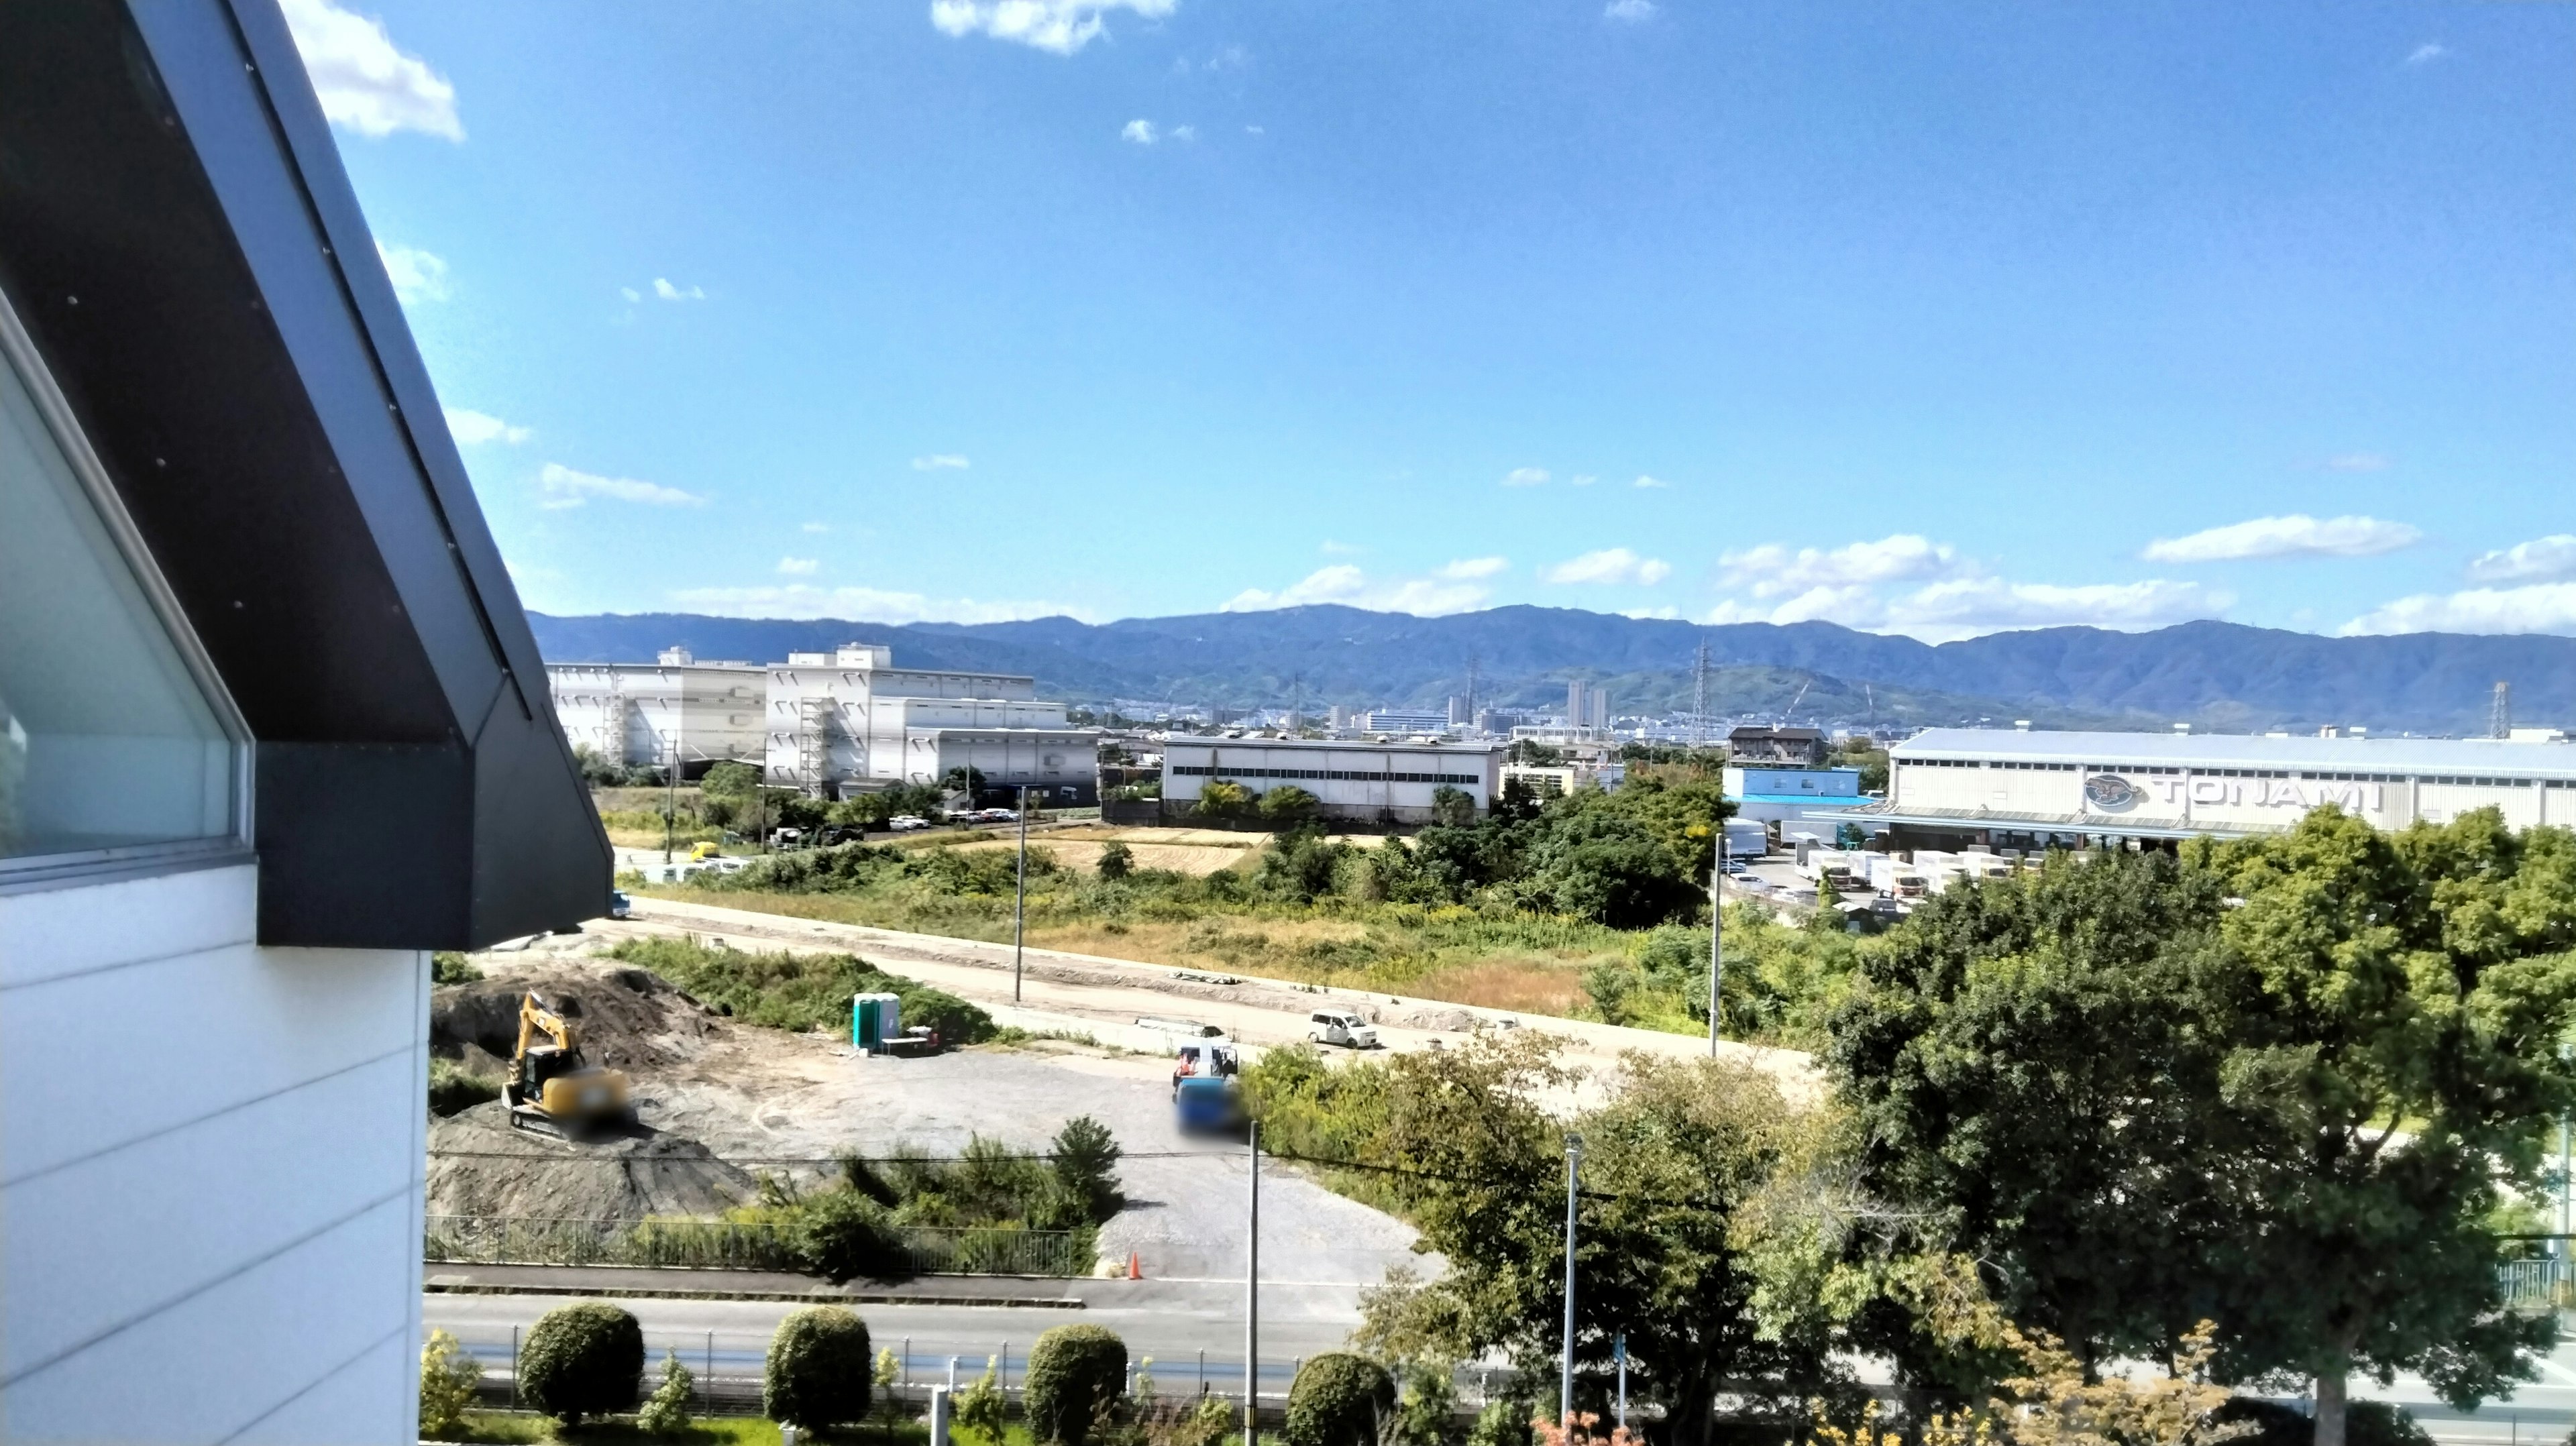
<point>1362,782</point>
<point>675,707</point>
<point>849,721</point>
<point>1952,787</point>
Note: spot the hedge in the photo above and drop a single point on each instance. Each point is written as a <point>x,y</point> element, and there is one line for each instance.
<point>1073,1370</point>
<point>1338,1399</point>
<point>819,1369</point>
<point>582,1360</point>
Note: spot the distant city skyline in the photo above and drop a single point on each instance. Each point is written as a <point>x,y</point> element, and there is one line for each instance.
<point>1922,321</point>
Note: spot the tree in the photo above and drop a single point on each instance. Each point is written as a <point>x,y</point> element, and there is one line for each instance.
<point>1454,807</point>
<point>1223,798</point>
<point>2277,1082</point>
<point>730,779</point>
<point>667,1413</point>
<point>1117,861</point>
<point>582,1360</point>
<point>448,1380</point>
<point>1086,1167</point>
<point>1600,864</point>
<point>1288,806</point>
<point>1667,1163</point>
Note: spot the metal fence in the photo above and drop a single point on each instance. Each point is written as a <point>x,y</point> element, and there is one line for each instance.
<point>2537,1284</point>
<point>722,1244</point>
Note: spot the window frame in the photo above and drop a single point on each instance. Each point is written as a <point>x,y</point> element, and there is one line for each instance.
<point>33,872</point>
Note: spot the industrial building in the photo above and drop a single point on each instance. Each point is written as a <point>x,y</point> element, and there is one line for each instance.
<point>674,709</point>
<point>1792,796</point>
<point>1587,708</point>
<point>1796,747</point>
<point>850,721</point>
<point>1953,787</point>
<point>272,728</point>
<point>1405,720</point>
<point>1359,782</point>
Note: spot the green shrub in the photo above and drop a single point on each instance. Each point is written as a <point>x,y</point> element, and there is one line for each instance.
<point>800,991</point>
<point>582,1360</point>
<point>451,968</point>
<point>817,1374</point>
<point>1339,1399</point>
<point>980,1407</point>
<point>451,1089</point>
<point>1073,1371</point>
<point>1117,860</point>
<point>2366,1423</point>
<point>841,1235</point>
<point>667,1414</point>
<point>1502,1423</point>
<point>448,1379</point>
<point>1086,1166</point>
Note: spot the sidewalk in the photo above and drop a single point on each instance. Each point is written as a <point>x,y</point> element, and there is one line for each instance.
<point>630,1282</point>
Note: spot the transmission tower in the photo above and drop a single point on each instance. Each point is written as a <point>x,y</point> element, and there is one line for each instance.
<point>2500,717</point>
<point>1699,697</point>
<point>1471,690</point>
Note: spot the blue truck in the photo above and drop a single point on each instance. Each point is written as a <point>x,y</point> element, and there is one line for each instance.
<point>1207,1105</point>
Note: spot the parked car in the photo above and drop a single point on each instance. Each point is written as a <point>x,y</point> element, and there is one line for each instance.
<point>997,815</point>
<point>620,906</point>
<point>907,822</point>
<point>1342,1027</point>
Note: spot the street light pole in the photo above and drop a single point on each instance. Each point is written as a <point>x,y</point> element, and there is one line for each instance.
<point>1716,935</point>
<point>1252,1300</point>
<point>1019,895</point>
<point>1565,1382</point>
<point>670,794</point>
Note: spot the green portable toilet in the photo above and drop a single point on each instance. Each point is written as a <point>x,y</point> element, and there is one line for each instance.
<point>874,1019</point>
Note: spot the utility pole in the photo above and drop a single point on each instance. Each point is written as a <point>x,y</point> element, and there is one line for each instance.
<point>1565,1381</point>
<point>1716,935</point>
<point>1020,896</point>
<point>1699,696</point>
<point>670,792</point>
<point>1252,1299</point>
<point>1618,1349</point>
<point>1472,660</point>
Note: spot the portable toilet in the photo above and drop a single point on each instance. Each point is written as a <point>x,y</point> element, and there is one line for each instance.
<point>874,1019</point>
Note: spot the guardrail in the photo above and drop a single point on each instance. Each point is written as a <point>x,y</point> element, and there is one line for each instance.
<point>2541,1283</point>
<point>729,1245</point>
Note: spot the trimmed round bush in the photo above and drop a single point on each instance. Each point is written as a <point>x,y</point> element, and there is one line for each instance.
<point>819,1371</point>
<point>1073,1371</point>
<point>582,1360</point>
<point>1338,1399</point>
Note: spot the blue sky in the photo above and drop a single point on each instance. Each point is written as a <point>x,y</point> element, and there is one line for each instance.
<point>1934,319</point>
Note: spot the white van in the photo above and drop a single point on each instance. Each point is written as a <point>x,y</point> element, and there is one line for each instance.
<point>1342,1027</point>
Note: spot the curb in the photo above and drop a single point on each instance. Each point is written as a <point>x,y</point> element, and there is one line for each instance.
<point>798,1297</point>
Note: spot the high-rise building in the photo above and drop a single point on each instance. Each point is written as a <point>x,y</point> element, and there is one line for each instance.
<point>1586,706</point>
<point>1457,710</point>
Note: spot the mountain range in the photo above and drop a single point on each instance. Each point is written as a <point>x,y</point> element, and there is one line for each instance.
<point>2222,676</point>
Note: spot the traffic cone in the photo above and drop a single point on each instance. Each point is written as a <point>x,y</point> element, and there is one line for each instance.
<point>1134,1270</point>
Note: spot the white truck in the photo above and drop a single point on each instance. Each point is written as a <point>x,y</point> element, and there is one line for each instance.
<point>1341,1026</point>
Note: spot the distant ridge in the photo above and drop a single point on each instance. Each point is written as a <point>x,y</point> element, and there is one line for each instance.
<point>2211,674</point>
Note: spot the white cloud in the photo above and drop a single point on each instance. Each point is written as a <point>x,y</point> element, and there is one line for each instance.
<point>565,487</point>
<point>1061,26</point>
<point>665,290</point>
<point>1185,133</point>
<point>2548,607</point>
<point>1330,548</point>
<point>1610,565</point>
<point>1646,481</point>
<point>1140,131</point>
<point>1964,607</point>
<point>1254,131</point>
<point>2427,53</point>
<point>1581,479</point>
<point>940,462</point>
<point>1773,571</point>
<point>1630,11</point>
<point>1474,567</point>
<point>363,82</point>
<point>630,293</point>
<point>1525,477</point>
<point>2357,462</point>
<point>2544,559</point>
<point>473,428</point>
<point>2295,535</point>
<point>818,527</point>
<point>799,566</point>
<point>1666,612</point>
<point>861,604</point>
<point>1452,591</point>
<point>417,275</point>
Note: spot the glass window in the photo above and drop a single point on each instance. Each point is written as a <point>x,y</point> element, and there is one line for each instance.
<point>107,740</point>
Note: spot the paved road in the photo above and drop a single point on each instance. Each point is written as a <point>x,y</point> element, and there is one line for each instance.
<point>1171,1321</point>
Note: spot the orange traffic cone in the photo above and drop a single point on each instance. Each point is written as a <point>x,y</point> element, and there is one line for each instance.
<point>1134,1271</point>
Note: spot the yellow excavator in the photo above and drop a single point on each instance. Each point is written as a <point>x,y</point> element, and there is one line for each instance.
<point>551,1091</point>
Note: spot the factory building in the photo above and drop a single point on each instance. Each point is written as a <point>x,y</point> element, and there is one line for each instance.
<point>1794,796</point>
<point>1950,788</point>
<point>676,707</point>
<point>1358,782</point>
<point>850,721</point>
<point>1405,720</point>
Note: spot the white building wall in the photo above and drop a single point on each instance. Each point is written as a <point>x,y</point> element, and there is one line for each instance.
<point>1385,777</point>
<point>830,725</point>
<point>632,712</point>
<point>210,1172</point>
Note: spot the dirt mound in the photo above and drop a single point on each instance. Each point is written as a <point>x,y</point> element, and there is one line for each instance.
<point>625,1018</point>
<point>478,1165</point>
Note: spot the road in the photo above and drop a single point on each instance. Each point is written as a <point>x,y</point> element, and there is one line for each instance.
<point>1171,1321</point>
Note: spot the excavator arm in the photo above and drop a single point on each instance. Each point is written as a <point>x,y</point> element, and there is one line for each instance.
<point>551,1088</point>
<point>535,1019</point>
